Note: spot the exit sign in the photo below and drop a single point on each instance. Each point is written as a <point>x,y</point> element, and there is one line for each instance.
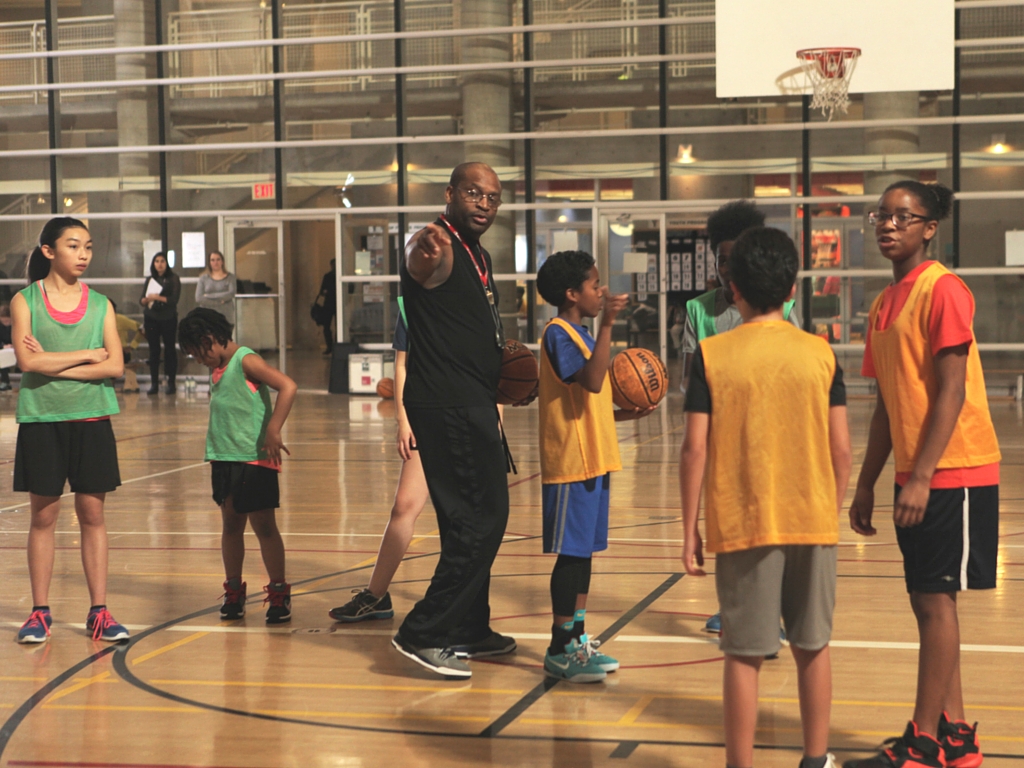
<point>263,191</point>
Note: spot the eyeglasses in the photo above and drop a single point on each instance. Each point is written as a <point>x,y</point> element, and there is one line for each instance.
<point>474,195</point>
<point>899,220</point>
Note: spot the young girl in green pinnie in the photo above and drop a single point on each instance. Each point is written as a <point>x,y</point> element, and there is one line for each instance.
<point>65,337</point>
<point>244,445</point>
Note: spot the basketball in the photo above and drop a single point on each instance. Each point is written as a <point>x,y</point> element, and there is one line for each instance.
<point>639,379</point>
<point>386,388</point>
<point>519,373</point>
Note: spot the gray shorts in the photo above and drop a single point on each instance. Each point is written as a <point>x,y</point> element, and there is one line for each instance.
<point>757,586</point>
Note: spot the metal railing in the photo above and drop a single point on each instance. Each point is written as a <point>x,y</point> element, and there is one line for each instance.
<point>84,33</point>
<point>308,21</point>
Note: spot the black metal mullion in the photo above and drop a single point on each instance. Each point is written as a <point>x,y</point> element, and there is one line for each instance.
<point>531,196</point>
<point>279,180</point>
<point>53,109</point>
<point>663,100</point>
<point>161,124</point>
<point>400,158</point>
<point>805,116</point>
<point>956,159</point>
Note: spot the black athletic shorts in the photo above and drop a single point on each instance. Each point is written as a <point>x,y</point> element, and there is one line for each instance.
<point>955,546</point>
<point>251,487</point>
<point>50,453</point>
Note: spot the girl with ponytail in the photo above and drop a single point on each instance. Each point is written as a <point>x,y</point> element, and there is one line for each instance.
<point>932,413</point>
<point>65,338</point>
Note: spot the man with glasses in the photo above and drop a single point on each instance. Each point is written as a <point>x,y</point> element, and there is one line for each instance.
<point>453,367</point>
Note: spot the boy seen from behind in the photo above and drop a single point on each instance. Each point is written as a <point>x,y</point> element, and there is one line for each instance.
<point>775,468</point>
<point>579,450</point>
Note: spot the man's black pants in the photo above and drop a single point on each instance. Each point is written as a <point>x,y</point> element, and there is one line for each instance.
<point>464,462</point>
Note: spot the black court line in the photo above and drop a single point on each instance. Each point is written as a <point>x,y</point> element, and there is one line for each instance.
<point>531,698</point>
<point>625,749</point>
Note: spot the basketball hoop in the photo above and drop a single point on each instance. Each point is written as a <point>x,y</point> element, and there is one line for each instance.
<point>829,70</point>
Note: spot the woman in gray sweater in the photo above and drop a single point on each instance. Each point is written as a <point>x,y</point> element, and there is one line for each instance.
<point>217,287</point>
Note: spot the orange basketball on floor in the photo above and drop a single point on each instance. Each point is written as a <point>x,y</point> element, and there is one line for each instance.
<point>639,379</point>
<point>519,373</point>
<point>386,388</point>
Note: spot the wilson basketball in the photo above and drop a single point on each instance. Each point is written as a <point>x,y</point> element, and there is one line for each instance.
<point>639,379</point>
<point>519,373</point>
<point>386,388</point>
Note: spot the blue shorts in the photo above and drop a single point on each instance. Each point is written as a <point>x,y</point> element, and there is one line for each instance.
<point>576,517</point>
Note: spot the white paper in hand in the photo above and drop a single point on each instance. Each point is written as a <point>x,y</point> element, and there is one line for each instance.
<point>153,288</point>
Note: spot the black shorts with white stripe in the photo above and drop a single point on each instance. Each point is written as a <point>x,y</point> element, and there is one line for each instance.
<point>955,546</point>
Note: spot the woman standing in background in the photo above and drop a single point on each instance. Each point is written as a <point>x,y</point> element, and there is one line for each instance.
<point>217,287</point>
<point>161,321</point>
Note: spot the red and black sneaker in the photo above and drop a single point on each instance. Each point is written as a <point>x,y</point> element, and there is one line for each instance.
<point>960,743</point>
<point>233,606</point>
<point>280,598</point>
<point>911,750</point>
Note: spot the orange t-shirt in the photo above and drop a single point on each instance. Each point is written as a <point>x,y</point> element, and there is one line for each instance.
<point>949,325</point>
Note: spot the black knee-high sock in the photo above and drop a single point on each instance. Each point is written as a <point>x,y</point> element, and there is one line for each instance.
<point>569,578</point>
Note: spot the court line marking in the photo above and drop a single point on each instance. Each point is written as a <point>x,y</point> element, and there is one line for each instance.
<point>124,482</point>
<point>635,711</point>
<point>168,647</point>
<point>671,639</point>
<point>516,710</point>
<point>82,682</point>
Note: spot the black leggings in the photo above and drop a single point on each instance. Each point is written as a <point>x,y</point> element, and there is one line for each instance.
<point>569,578</point>
<point>157,331</point>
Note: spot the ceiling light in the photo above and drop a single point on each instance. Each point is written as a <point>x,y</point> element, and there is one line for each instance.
<point>685,154</point>
<point>622,230</point>
<point>40,200</point>
<point>999,145</point>
<point>563,219</point>
<point>68,202</point>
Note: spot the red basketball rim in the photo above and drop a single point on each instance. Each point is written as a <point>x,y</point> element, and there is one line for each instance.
<point>837,56</point>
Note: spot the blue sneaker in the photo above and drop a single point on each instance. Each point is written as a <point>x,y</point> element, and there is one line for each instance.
<point>37,628</point>
<point>714,624</point>
<point>104,627</point>
<point>603,660</point>
<point>576,665</point>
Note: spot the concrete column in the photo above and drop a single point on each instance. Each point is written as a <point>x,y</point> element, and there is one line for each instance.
<point>887,141</point>
<point>487,108</point>
<point>133,129</point>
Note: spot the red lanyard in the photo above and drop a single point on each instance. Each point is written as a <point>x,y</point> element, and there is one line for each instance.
<point>481,268</point>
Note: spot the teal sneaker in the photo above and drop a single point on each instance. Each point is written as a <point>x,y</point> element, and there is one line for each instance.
<point>576,665</point>
<point>603,660</point>
<point>103,626</point>
<point>36,629</point>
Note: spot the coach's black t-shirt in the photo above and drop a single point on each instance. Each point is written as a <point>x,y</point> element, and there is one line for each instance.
<point>453,359</point>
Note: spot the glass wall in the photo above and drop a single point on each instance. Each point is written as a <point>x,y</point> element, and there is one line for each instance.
<point>593,129</point>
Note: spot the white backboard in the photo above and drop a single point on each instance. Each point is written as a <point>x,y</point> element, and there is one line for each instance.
<point>905,46</point>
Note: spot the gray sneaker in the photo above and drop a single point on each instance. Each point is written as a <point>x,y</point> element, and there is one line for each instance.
<point>443,661</point>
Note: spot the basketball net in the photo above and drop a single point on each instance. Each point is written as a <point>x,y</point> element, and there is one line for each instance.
<point>829,70</point>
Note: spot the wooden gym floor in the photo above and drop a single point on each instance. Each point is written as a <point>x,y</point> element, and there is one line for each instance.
<point>190,690</point>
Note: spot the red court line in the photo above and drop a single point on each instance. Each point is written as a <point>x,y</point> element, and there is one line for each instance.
<point>524,480</point>
<point>672,664</point>
<point>61,764</point>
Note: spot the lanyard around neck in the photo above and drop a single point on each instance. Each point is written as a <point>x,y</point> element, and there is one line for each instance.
<point>481,267</point>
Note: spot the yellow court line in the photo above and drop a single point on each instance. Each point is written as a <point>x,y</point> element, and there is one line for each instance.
<point>707,726</point>
<point>455,718</point>
<point>169,647</point>
<point>636,710</point>
<point>338,686</point>
<point>658,437</point>
<point>374,715</point>
<point>82,682</point>
<point>366,562</point>
<point>122,708</point>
